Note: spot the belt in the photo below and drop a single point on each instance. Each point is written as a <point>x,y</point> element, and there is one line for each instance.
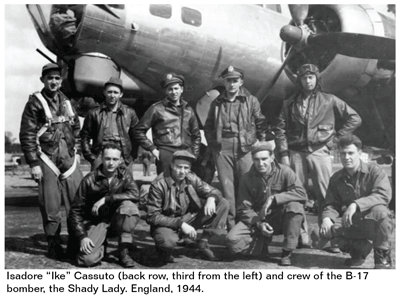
<point>229,134</point>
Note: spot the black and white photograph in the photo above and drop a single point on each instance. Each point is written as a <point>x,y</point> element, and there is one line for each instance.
<point>199,136</point>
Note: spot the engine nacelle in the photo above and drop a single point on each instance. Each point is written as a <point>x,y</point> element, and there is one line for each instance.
<point>342,73</point>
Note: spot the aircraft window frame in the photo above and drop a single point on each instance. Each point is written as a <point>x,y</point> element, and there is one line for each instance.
<point>191,16</point>
<point>161,10</point>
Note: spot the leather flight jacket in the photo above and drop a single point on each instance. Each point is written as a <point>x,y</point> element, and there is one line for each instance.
<point>170,130</point>
<point>34,118</point>
<point>252,124</point>
<point>161,206</point>
<point>95,186</point>
<point>93,129</point>
<point>317,128</point>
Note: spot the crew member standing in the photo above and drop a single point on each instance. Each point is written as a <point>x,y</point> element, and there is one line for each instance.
<point>173,124</point>
<point>306,132</point>
<point>112,122</point>
<point>234,125</point>
<point>49,138</point>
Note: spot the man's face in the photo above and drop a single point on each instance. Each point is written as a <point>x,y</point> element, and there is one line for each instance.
<point>350,157</point>
<point>174,92</point>
<point>52,80</point>
<point>308,81</point>
<point>180,168</point>
<point>112,94</point>
<point>262,161</point>
<point>232,85</point>
<point>111,160</point>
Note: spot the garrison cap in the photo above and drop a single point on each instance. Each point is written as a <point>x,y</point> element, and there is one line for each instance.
<point>263,146</point>
<point>307,68</point>
<point>50,66</point>
<point>183,154</point>
<point>232,72</point>
<point>171,78</point>
<point>115,81</point>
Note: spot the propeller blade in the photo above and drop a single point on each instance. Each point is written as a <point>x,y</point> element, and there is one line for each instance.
<point>299,13</point>
<point>108,9</point>
<point>275,78</point>
<point>356,45</point>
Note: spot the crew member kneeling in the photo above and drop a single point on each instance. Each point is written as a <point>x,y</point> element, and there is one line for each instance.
<point>271,203</point>
<point>104,206</point>
<point>363,191</point>
<point>179,202</point>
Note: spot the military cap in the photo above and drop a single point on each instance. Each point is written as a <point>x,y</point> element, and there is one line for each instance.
<point>183,154</point>
<point>171,78</point>
<point>115,81</point>
<point>232,72</point>
<point>263,146</point>
<point>307,68</point>
<point>50,66</point>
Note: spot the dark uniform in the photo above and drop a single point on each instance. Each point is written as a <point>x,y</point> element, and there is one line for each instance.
<point>104,126</point>
<point>372,225</point>
<point>231,129</point>
<point>173,127</point>
<point>117,217</point>
<point>285,217</point>
<point>171,204</point>
<point>59,143</point>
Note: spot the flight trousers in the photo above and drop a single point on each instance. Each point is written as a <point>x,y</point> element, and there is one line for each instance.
<point>121,223</point>
<point>231,165</point>
<point>166,238</point>
<point>249,240</point>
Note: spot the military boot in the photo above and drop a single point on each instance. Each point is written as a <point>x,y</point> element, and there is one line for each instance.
<point>382,258</point>
<point>124,258</point>
<point>204,252</point>
<point>285,258</point>
<point>360,249</point>
<point>55,251</point>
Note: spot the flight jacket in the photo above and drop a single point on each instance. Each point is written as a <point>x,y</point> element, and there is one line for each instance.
<point>295,133</point>
<point>161,207</point>
<point>169,128</point>
<point>95,186</point>
<point>93,129</point>
<point>252,124</point>
<point>34,117</point>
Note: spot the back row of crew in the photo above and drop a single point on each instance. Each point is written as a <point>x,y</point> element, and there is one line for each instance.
<point>235,126</point>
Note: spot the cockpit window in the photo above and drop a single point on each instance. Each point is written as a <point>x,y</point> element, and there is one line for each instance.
<point>161,10</point>
<point>191,16</point>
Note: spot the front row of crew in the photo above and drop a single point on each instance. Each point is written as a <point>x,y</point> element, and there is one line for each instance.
<point>263,196</point>
<point>271,203</point>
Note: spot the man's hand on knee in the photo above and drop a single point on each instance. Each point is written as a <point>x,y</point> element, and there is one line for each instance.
<point>87,246</point>
<point>189,231</point>
<point>347,218</point>
<point>325,229</point>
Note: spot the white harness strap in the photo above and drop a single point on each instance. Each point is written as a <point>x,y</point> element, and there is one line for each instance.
<point>43,129</point>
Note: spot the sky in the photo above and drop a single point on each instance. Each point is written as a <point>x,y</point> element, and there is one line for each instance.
<point>23,64</point>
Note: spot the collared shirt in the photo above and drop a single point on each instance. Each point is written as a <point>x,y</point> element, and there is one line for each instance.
<point>229,115</point>
<point>111,128</point>
<point>303,103</point>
